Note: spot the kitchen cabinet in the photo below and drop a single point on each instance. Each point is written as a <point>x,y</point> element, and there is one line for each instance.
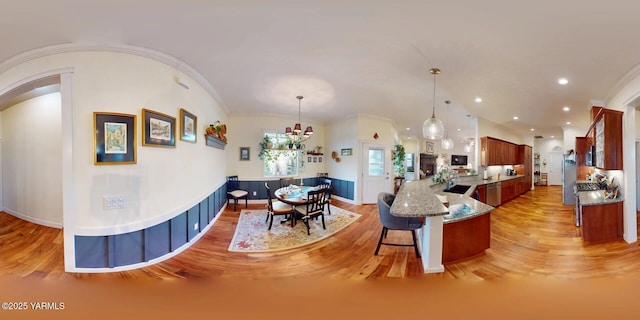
<point>508,191</point>
<point>466,239</point>
<point>496,152</point>
<point>602,222</point>
<point>482,193</point>
<point>582,146</point>
<point>608,139</point>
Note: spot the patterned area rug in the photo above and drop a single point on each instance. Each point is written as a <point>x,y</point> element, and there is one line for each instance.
<point>252,235</point>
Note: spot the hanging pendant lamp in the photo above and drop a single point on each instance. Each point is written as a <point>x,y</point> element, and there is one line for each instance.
<point>296,134</point>
<point>433,128</point>
<point>447,143</point>
<point>470,142</point>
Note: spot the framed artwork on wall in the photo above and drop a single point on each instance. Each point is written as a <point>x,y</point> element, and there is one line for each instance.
<point>158,129</point>
<point>319,159</point>
<point>244,154</point>
<point>188,125</point>
<point>114,138</point>
<point>308,159</point>
<point>430,148</point>
<point>346,152</point>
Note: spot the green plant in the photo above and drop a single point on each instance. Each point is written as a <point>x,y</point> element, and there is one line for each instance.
<point>398,159</point>
<point>265,153</point>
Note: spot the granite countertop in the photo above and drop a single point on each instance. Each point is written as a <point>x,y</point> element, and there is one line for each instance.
<point>479,181</point>
<point>594,198</point>
<point>462,207</point>
<point>417,199</point>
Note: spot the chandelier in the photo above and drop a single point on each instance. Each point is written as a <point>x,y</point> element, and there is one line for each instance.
<point>296,134</point>
<point>433,128</point>
<point>447,143</point>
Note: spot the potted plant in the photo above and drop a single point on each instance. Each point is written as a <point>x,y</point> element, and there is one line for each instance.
<point>265,147</point>
<point>398,159</point>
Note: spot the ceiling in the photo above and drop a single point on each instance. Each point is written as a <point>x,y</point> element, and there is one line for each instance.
<point>372,57</point>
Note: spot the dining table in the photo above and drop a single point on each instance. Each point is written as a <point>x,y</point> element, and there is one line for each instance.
<point>293,195</point>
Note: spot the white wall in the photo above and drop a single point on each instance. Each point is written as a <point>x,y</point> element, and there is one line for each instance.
<point>248,131</point>
<point>544,147</point>
<point>165,181</point>
<point>569,137</point>
<point>494,130</point>
<point>342,135</point>
<point>32,160</point>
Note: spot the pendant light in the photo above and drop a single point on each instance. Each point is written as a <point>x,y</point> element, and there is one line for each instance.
<point>447,143</point>
<point>470,142</point>
<point>433,128</point>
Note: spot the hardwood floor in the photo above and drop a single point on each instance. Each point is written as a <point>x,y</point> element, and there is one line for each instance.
<point>531,236</point>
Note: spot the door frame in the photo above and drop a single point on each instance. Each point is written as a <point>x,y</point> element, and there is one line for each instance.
<point>364,145</point>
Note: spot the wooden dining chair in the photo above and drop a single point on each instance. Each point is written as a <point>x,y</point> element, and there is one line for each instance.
<point>544,179</point>
<point>276,208</point>
<point>285,182</point>
<point>326,185</point>
<point>234,192</point>
<point>314,208</point>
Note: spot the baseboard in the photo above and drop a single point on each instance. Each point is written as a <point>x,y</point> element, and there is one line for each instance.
<point>33,220</point>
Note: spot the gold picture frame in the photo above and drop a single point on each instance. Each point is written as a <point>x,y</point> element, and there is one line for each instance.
<point>430,148</point>
<point>158,129</point>
<point>114,138</point>
<point>188,126</point>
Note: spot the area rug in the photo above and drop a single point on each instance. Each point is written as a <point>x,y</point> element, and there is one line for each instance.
<point>252,235</point>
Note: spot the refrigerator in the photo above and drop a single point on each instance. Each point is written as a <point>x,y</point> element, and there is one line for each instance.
<point>569,175</point>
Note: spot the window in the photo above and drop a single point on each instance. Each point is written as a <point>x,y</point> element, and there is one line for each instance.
<point>376,162</point>
<point>281,160</point>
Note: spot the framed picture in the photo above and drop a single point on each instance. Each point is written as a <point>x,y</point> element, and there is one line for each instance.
<point>244,154</point>
<point>115,138</point>
<point>158,129</point>
<point>319,159</point>
<point>430,147</point>
<point>188,125</point>
<point>346,152</point>
<point>315,159</point>
<point>308,159</point>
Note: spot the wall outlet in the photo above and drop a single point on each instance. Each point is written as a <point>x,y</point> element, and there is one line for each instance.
<point>195,226</point>
<point>113,202</point>
<point>255,193</point>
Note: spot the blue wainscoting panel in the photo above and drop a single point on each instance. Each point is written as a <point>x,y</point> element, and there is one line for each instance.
<point>204,213</point>
<point>91,252</point>
<point>156,241</point>
<point>350,190</point>
<point>212,206</point>
<point>193,222</point>
<point>178,231</point>
<point>128,248</point>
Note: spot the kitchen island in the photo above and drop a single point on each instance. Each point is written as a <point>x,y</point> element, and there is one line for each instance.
<point>419,199</point>
<point>602,218</point>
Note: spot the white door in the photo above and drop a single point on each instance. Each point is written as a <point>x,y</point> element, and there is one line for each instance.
<point>376,171</point>
<point>555,168</point>
<point>637,171</point>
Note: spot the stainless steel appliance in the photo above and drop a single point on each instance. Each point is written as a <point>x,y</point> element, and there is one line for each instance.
<point>569,175</point>
<point>494,191</point>
<point>582,186</point>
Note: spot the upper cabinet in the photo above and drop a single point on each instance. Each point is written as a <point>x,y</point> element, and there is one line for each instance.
<point>606,132</point>
<point>496,152</point>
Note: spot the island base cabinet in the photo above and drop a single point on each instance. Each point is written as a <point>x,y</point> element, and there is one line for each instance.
<point>601,223</point>
<point>466,239</point>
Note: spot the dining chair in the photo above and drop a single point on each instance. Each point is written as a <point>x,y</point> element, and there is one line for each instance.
<point>391,222</point>
<point>285,182</point>
<point>233,192</point>
<point>313,208</point>
<point>326,185</point>
<point>276,208</point>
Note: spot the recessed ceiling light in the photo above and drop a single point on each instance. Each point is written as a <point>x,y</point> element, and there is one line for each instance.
<point>478,99</point>
<point>563,81</point>
<point>566,108</point>
<point>568,122</point>
<point>515,118</point>
<point>532,129</point>
<point>408,129</point>
<point>459,129</point>
<point>553,137</point>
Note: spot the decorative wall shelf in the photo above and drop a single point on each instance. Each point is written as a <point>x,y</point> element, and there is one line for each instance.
<point>213,141</point>
<point>311,153</point>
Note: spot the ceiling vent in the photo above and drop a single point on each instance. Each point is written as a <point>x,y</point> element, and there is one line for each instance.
<point>538,137</point>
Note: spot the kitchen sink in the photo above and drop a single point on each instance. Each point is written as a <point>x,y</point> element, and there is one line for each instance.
<point>458,188</point>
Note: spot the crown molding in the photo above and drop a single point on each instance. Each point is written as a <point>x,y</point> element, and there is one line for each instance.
<point>118,48</point>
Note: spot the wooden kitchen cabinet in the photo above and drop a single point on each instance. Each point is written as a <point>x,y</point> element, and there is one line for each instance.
<point>582,146</point>
<point>608,139</point>
<point>496,152</point>
<point>482,193</point>
<point>603,222</point>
